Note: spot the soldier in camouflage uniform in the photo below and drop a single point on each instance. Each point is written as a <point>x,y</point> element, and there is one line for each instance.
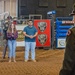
<point>69,57</point>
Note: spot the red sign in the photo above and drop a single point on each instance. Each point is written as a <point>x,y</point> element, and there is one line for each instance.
<point>44,33</point>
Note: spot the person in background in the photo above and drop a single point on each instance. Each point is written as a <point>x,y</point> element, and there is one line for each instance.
<point>30,34</point>
<point>6,25</point>
<point>5,39</point>
<point>12,35</point>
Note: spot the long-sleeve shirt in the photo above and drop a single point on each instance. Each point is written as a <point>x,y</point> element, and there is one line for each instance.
<point>12,36</point>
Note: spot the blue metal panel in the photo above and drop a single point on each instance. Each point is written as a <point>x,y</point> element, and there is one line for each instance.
<point>64,18</point>
<point>61,29</point>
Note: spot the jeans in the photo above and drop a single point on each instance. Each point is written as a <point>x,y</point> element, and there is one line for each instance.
<point>12,48</point>
<point>30,46</point>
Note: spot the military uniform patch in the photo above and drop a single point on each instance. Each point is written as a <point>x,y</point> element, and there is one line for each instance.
<point>69,32</point>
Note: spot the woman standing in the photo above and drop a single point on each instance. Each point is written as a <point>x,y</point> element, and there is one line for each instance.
<point>12,35</point>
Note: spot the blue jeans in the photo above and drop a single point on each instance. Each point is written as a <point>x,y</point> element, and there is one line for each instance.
<point>30,46</point>
<point>12,48</point>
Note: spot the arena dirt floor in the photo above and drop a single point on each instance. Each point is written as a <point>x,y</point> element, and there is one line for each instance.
<point>49,62</point>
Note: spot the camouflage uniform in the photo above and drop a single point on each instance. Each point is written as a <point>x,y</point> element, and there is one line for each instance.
<point>69,57</point>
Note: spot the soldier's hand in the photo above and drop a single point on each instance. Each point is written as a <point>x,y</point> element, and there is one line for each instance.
<point>69,32</point>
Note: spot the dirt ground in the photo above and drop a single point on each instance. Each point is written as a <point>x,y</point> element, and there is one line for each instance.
<point>49,62</point>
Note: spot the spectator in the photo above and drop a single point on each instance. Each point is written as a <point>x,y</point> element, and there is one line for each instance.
<point>12,35</point>
<point>30,34</point>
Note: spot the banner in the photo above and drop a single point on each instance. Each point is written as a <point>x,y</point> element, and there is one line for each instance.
<point>20,39</point>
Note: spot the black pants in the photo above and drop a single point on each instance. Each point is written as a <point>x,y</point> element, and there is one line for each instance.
<point>67,71</point>
<point>68,67</point>
<point>5,49</point>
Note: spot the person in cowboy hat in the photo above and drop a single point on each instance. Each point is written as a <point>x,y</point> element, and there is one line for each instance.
<point>68,67</point>
<point>6,25</point>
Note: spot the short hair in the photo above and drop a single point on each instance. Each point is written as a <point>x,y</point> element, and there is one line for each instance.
<point>30,20</point>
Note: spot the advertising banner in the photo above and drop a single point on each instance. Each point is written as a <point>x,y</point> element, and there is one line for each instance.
<point>20,39</point>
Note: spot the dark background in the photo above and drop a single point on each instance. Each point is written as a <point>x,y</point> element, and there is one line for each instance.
<point>62,7</point>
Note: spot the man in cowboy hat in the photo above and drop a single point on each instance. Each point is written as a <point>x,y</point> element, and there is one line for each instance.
<point>6,25</point>
<point>68,67</point>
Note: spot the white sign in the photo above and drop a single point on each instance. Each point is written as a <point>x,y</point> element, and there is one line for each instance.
<point>67,22</point>
<point>61,42</point>
<point>20,39</point>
